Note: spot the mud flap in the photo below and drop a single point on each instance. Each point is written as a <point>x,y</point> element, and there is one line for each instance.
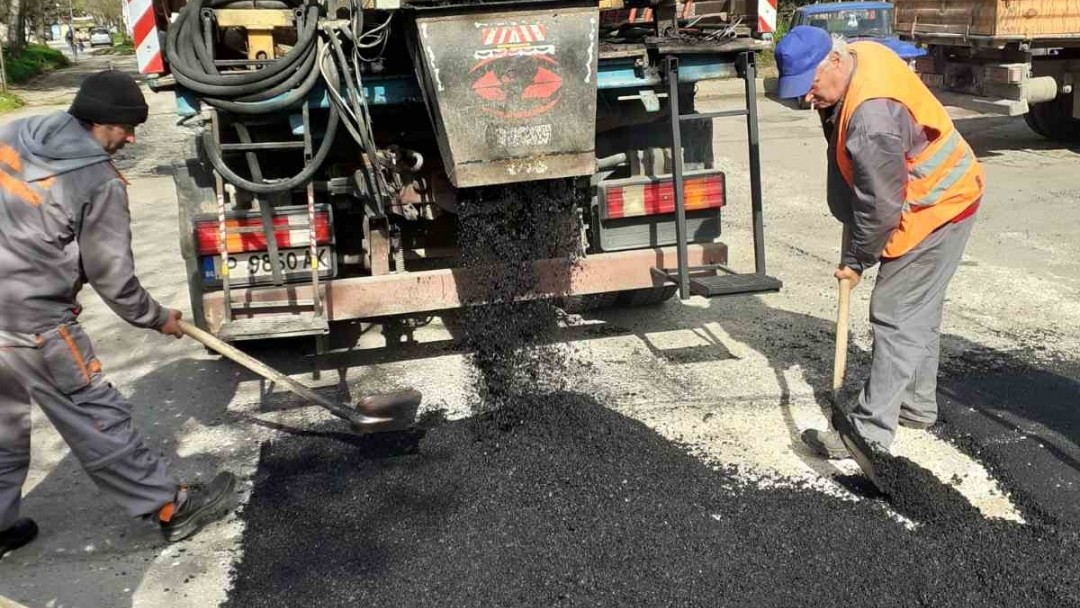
<point>512,95</point>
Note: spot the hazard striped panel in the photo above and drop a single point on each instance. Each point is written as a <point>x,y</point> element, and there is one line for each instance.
<point>766,16</point>
<point>290,230</point>
<point>512,34</point>
<point>144,33</point>
<point>658,197</point>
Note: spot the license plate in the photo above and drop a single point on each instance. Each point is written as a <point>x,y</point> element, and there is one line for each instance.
<point>255,266</point>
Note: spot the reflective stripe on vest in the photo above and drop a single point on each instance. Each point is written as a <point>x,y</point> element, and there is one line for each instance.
<point>935,163</point>
<point>943,179</point>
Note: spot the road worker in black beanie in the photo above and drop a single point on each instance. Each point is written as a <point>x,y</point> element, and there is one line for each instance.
<point>64,222</point>
<point>110,104</point>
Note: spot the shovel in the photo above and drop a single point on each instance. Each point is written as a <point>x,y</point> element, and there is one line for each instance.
<point>373,414</point>
<point>860,450</point>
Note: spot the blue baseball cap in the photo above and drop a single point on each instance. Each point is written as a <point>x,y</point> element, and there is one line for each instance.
<point>797,56</point>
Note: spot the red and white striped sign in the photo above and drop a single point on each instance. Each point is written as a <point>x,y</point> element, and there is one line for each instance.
<point>766,16</point>
<point>144,32</point>
<point>512,34</point>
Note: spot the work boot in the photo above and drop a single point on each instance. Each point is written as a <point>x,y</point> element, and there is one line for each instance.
<point>20,533</point>
<point>826,444</point>
<point>912,423</point>
<point>196,506</point>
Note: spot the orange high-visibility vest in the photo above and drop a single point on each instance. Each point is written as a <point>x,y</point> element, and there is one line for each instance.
<point>945,178</point>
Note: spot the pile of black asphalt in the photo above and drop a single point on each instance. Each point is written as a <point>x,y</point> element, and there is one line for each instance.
<point>559,501</point>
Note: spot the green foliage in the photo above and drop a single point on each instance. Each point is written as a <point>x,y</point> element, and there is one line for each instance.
<point>120,49</point>
<point>9,102</point>
<point>33,60</point>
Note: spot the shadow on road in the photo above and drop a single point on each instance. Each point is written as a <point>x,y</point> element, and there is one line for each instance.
<point>990,136</point>
<point>89,552</point>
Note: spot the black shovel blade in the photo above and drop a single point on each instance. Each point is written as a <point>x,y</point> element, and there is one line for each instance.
<point>861,450</point>
<point>394,411</point>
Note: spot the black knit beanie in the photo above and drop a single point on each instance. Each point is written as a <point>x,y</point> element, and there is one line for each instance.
<point>110,98</point>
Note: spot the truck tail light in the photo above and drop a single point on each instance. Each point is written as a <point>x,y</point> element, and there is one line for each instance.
<point>290,230</point>
<point>657,196</point>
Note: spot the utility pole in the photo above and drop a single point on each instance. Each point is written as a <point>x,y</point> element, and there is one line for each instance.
<point>3,72</point>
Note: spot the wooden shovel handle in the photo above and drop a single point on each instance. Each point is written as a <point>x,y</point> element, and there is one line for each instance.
<point>840,357</point>
<point>844,305</point>
<point>237,356</point>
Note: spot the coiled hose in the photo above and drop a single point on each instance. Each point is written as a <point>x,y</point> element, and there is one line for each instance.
<point>278,86</point>
<point>213,153</point>
<point>191,62</point>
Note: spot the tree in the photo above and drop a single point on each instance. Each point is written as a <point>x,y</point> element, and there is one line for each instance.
<point>15,20</point>
<point>104,11</point>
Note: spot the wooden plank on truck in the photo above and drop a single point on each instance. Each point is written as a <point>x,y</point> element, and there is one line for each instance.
<point>1033,19</point>
<point>1005,19</point>
<point>255,18</point>
<point>929,17</point>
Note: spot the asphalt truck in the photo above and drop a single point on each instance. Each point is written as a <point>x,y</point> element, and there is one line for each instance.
<point>332,140</point>
<point>1009,57</point>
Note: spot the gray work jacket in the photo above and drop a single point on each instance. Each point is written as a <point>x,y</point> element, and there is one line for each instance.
<point>64,222</point>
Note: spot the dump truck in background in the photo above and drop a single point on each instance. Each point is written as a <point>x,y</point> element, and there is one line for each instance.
<point>1010,57</point>
<point>333,139</point>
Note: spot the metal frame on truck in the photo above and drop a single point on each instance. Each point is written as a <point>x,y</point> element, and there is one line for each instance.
<point>651,225</point>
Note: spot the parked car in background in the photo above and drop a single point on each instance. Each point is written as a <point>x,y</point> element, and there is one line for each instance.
<point>100,36</point>
<point>858,21</point>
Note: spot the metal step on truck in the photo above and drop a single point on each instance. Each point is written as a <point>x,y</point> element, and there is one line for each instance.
<point>1009,57</point>
<point>333,140</point>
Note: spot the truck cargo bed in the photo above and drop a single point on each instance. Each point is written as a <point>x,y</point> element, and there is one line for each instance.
<point>992,19</point>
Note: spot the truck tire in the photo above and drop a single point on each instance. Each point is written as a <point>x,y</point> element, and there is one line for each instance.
<point>1055,119</point>
<point>1036,125</point>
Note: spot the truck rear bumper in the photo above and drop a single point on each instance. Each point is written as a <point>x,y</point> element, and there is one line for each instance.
<point>435,290</point>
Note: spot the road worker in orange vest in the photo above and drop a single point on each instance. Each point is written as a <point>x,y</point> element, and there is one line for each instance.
<point>907,186</point>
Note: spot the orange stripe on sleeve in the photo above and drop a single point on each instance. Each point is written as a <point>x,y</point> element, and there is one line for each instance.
<point>19,188</point>
<point>10,157</point>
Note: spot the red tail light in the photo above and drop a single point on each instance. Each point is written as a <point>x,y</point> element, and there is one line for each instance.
<point>658,197</point>
<point>290,230</point>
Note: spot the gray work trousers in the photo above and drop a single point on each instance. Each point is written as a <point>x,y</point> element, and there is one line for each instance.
<point>62,376</point>
<point>905,316</point>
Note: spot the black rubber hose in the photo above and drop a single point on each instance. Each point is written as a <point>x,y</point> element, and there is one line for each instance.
<point>192,72</point>
<point>294,80</point>
<point>197,54</point>
<point>284,102</point>
<point>186,48</point>
<point>333,85</point>
<point>213,153</point>
<point>361,114</point>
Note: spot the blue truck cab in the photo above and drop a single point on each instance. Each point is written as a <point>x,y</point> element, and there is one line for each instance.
<point>858,21</point>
